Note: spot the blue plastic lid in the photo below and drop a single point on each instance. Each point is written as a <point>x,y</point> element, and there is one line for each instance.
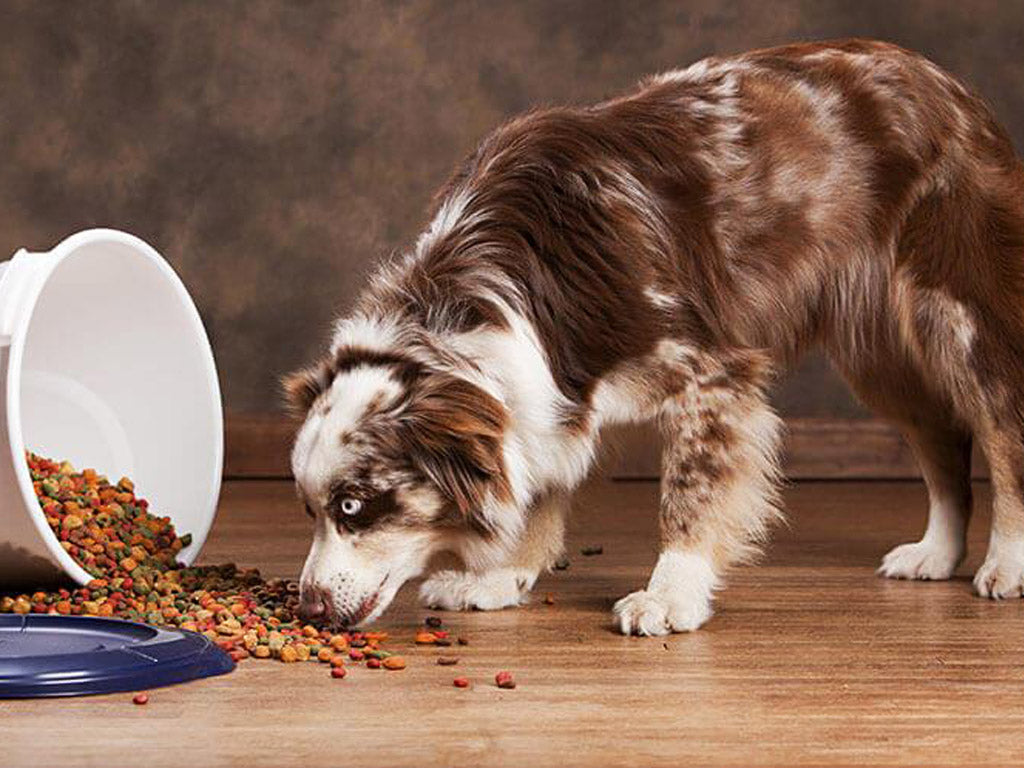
<point>53,655</point>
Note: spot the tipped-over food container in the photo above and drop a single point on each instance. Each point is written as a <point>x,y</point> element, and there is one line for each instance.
<point>104,362</point>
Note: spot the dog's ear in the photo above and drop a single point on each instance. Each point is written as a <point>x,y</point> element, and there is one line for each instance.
<point>454,433</point>
<point>302,387</point>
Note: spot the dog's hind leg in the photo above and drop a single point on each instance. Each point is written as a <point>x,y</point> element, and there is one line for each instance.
<point>718,495</point>
<point>894,387</point>
<point>960,291</point>
<point>541,544</point>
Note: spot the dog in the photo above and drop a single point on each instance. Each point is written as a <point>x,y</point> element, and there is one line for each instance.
<point>661,256</point>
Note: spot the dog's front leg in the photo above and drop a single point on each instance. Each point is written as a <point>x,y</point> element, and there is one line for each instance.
<point>541,544</point>
<point>718,494</point>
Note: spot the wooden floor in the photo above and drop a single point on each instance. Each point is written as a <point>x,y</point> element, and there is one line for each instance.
<point>810,660</point>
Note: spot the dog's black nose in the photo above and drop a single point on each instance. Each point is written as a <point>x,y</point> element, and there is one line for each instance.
<point>313,604</point>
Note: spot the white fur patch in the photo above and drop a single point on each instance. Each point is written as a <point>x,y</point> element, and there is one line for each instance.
<point>318,455</point>
<point>677,598</point>
<point>488,591</point>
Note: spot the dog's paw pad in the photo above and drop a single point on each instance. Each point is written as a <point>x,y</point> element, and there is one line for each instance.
<point>1000,576</point>
<point>656,613</point>
<point>920,560</point>
<point>462,591</point>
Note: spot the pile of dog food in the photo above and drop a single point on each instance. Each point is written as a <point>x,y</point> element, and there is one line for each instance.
<point>132,555</point>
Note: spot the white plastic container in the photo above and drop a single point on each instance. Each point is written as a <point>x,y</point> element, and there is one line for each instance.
<point>103,362</point>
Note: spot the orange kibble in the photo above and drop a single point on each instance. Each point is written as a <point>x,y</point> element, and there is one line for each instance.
<point>325,654</point>
<point>337,661</point>
<point>426,638</point>
<point>289,654</point>
<point>394,662</point>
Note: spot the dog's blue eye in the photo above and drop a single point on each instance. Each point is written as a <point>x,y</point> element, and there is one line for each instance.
<point>351,506</point>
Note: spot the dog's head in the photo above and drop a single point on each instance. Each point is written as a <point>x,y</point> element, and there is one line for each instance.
<point>396,460</point>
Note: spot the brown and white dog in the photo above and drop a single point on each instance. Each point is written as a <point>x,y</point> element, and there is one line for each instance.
<point>659,256</point>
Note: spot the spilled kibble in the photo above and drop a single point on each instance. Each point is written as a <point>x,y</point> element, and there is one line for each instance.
<point>561,563</point>
<point>590,551</point>
<point>132,555</point>
<point>394,662</point>
<point>373,663</point>
<point>504,679</point>
<point>447,661</point>
<point>461,682</point>
<point>549,599</point>
<point>434,622</point>
<point>338,672</point>
<point>140,698</point>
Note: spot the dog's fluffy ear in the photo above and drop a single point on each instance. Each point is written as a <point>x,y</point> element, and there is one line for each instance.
<point>454,436</point>
<point>302,387</point>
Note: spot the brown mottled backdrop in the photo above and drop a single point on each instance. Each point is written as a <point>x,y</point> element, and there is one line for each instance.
<point>272,151</point>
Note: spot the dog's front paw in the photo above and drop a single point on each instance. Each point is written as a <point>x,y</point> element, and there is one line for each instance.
<point>1002,573</point>
<point>921,560</point>
<point>463,590</point>
<point>657,613</point>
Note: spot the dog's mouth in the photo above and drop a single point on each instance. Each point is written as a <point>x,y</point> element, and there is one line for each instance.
<point>367,606</point>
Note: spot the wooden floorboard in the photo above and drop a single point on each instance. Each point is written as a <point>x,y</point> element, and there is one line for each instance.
<point>810,660</point>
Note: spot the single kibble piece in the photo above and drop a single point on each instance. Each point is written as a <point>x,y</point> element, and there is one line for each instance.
<point>394,662</point>
<point>463,641</point>
<point>590,551</point>
<point>289,654</point>
<point>447,661</point>
<point>434,622</point>
<point>338,672</point>
<point>373,663</point>
<point>549,599</point>
<point>461,682</point>
<point>562,563</point>
<point>426,638</point>
<point>504,679</point>
<point>337,661</point>
<point>140,698</point>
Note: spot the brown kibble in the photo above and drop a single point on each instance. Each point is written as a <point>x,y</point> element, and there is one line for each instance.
<point>549,599</point>
<point>394,662</point>
<point>463,641</point>
<point>447,661</point>
<point>434,622</point>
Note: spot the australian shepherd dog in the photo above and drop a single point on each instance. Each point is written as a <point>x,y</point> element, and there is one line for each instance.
<point>662,256</point>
